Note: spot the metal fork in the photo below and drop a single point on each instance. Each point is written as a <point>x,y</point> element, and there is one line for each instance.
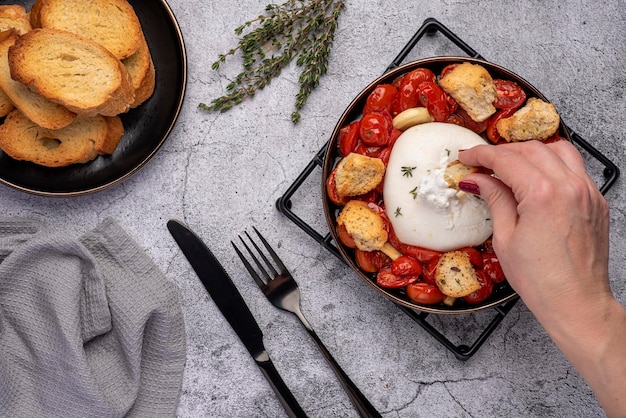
<point>282,290</point>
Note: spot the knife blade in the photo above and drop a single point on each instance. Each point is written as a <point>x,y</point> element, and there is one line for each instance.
<point>233,307</point>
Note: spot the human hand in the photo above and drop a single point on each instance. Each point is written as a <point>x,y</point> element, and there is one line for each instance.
<point>550,222</point>
<point>550,233</point>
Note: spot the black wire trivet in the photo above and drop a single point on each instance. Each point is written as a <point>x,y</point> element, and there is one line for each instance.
<point>430,27</point>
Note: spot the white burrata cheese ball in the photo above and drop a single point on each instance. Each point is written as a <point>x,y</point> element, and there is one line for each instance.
<point>424,211</point>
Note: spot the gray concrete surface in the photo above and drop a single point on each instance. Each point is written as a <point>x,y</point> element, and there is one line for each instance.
<point>222,173</point>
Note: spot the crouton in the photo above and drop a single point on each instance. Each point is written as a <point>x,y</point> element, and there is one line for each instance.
<point>455,276</point>
<point>358,174</point>
<point>455,171</point>
<point>536,120</point>
<point>365,226</point>
<point>473,89</point>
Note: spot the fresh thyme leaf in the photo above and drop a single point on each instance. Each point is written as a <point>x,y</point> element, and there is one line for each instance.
<point>407,171</point>
<point>300,29</point>
<point>414,192</point>
<point>398,212</point>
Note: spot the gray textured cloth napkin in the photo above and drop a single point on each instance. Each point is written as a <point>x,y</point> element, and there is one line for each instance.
<point>89,327</point>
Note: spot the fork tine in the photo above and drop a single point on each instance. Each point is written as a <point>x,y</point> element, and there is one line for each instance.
<point>262,255</point>
<point>275,257</point>
<point>249,267</point>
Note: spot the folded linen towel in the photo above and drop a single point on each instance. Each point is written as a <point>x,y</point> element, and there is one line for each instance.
<point>89,327</point>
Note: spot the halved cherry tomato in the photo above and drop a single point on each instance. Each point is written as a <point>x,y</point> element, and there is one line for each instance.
<point>348,138</point>
<point>370,261</point>
<point>435,100</point>
<point>406,266</point>
<point>408,95</point>
<point>492,131</point>
<point>424,293</point>
<point>486,288</point>
<point>331,190</point>
<point>385,278</point>
<point>382,98</point>
<point>344,237</point>
<point>374,129</point>
<point>510,95</point>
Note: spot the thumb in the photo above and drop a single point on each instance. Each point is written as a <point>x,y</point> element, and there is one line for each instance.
<point>500,200</point>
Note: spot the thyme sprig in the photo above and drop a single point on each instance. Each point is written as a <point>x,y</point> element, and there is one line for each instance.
<point>300,29</point>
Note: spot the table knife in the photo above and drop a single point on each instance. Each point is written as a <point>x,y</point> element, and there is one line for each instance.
<point>229,301</point>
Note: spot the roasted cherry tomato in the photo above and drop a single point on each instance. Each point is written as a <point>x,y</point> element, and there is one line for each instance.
<point>424,293</point>
<point>373,196</point>
<point>492,131</point>
<point>435,100</point>
<point>384,155</point>
<point>486,288</point>
<point>408,95</point>
<point>331,190</point>
<point>492,267</point>
<point>422,254</point>
<point>447,69</point>
<point>429,270</point>
<point>348,138</point>
<point>455,119</point>
<point>471,124</point>
<point>475,256</point>
<point>554,138</point>
<point>370,261</point>
<point>344,237</point>
<point>374,129</point>
<point>510,95</point>
<point>393,136</point>
<point>381,99</point>
<point>385,278</point>
<point>406,266</point>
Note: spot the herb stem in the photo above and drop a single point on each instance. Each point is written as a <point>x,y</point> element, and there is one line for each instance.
<point>297,28</point>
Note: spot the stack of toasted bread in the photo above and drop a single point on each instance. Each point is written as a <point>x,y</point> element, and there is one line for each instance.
<point>68,69</point>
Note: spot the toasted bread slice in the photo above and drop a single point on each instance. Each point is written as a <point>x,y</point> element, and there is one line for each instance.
<point>142,72</point>
<point>37,108</point>
<point>536,120</point>
<point>23,140</point>
<point>73,71</point>
<point>455,276</point>
<point>473,88</point>
<point>111,23</point>
<point>358,174</point>
<point>365,226</point>
<point>14,17</point>
<point>115,132</point>
<point>455,171</point>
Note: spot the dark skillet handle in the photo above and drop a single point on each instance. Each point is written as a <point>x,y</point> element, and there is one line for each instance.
<point>283,393</point>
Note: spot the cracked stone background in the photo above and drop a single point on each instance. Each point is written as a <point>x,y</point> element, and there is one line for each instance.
<point>222,173</point>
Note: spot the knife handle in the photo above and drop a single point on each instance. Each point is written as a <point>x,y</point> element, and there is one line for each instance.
<point>283,393</point>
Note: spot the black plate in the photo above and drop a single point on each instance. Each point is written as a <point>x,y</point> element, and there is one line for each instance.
<point>146,127</point>
<point>502,292</point>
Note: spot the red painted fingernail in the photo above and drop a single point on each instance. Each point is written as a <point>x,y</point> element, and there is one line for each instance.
<point>469,187</point>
